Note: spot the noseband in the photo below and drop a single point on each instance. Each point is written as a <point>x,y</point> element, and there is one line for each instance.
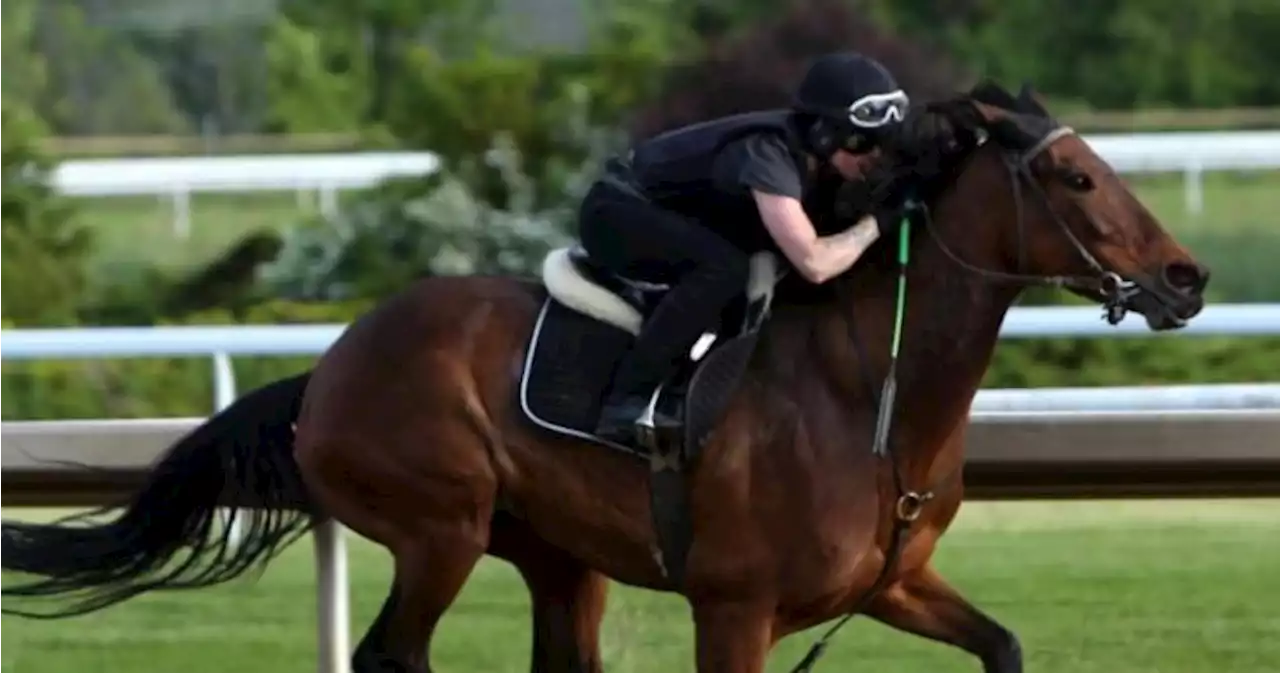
<point>1116,292</point>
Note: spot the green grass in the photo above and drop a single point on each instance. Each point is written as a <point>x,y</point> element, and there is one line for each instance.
<point>1157,586</point>
<point>136,230</point>
<point>1233,201</point>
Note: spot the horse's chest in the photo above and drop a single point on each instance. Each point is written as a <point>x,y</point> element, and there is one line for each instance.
<point>826,563</point>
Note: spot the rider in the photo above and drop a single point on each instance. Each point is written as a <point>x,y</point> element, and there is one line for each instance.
<point>689,206</point>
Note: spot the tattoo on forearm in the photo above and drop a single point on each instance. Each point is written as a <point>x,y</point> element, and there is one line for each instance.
<point>862,234</point>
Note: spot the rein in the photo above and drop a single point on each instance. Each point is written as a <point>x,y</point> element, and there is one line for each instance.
<point>909,504</point>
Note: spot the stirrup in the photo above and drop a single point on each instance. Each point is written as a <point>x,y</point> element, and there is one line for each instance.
<point>651,424</point>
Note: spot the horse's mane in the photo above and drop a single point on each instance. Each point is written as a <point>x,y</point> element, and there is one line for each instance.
<point>920,160</point>
<point>924,154</point>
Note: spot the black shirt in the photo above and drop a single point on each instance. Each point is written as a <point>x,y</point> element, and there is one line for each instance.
<point>761,162</point>
<point>706,172</point>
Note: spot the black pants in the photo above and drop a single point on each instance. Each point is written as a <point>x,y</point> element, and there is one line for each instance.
<point>638,239</point>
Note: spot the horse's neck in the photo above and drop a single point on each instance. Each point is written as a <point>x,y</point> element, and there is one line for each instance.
<point>947,344</point>
<point>948,337</point>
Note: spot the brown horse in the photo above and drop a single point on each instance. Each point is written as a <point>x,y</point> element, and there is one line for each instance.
<point>431,428</point>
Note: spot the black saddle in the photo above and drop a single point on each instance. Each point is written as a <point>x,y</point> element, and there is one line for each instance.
<point>571,356</point>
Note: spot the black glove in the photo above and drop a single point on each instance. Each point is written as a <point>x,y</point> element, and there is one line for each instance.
<point>888,220</point>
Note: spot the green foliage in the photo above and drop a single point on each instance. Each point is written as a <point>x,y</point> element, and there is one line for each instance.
<point>80,78</point>
<point>338,65</point>
<point>96,79</point>
<point>1123,361</point>
<point>545,106</point>
<point>518,136</point>
<point>759,65</point>
<point>212,70</point>
<point>437,226</point>
<point>1112,54</point>
<point>306,94</point>
<point>25,73</point>
<point>351,56</point>
<point>135,295</point>
<point>45,249</point>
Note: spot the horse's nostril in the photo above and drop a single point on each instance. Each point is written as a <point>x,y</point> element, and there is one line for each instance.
<point>1186,277</point>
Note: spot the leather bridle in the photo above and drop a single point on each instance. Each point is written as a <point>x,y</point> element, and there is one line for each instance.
<point>1116,293</point>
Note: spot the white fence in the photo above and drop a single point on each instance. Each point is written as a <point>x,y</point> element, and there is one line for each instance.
<point>1190,153</point>
<point>180,177</point>
<point>1068,427</point>
<point>243,173</point>
<point>222,342</point>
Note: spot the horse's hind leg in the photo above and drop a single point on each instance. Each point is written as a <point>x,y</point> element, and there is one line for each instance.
<point>436,528</point>
<point>432,515</point>
<point>924,604</point>
<point>428,576</point>
<point>568,599</point>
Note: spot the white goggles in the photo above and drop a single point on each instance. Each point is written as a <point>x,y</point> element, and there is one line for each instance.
<point>876,110</point>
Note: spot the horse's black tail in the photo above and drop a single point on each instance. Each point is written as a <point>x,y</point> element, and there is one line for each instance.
<point>168,535</point>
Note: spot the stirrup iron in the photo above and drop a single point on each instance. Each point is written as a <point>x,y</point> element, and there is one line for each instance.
<point>646,430</point>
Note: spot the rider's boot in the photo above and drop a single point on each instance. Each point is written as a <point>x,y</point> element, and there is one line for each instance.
<point>618,418</point>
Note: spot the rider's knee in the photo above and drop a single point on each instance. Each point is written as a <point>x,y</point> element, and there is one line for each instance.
<point>731,270</point>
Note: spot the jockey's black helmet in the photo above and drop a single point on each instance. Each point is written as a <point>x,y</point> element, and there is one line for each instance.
<point>851,99</point>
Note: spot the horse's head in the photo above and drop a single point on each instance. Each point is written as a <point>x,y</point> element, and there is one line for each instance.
<point>1053,211</point>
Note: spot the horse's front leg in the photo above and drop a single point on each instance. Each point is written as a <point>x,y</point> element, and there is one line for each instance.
<point>924,604</point>
<point>732,637</point>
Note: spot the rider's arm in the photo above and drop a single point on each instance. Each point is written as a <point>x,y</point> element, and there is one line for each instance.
<point>817,258</point>
<point>763,166</point>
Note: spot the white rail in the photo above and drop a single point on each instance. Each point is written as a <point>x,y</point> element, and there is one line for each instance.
<point>143,176</point>
<point>1141,152</point>
<point>221,342</point>
<point>180,177</point>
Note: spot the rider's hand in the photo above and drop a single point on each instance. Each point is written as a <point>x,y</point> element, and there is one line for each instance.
<point>888,220</point>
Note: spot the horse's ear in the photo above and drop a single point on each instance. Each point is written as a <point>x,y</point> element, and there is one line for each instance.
<point>971,123</point>
<point>988,92</point>
<point>965,118</point>
<point>966,114</point>
<point>960,110</point>
<point>1007,132</point>
<point>1029,103</point>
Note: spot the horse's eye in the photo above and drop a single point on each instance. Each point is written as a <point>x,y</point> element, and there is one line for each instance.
<point>1078,181</point>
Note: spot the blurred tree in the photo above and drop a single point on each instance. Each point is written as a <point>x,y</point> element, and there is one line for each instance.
<point>369,39</point>
<point>406,229</point>
<point>25,71</point>
<point>96,82</point>
<point>307,91</point>
<point>1139,53</point>
<point>758,68</point>
<point>518,135</point>
<point>387,59</point>
<point>45,250</point>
